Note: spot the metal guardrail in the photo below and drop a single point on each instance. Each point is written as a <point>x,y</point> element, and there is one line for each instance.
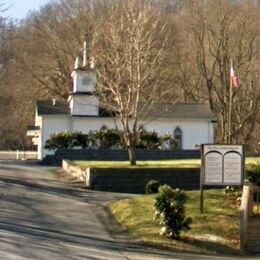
<point>18,155</point>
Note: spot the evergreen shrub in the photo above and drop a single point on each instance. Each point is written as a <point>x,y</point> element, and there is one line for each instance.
<point>108,138</point>
<point>169,207</point>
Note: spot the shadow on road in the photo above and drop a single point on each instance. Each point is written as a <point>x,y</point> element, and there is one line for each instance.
<point>44,217</point>
<point>54,187</point>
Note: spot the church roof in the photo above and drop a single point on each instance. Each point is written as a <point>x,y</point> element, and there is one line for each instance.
<point>47,107</point>
<point>178,110</point>
<point>182,110</point>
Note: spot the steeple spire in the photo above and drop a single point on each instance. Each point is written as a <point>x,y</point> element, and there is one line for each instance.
<point>85,54</point>
<point>77,65</point>
<point>92,63</point>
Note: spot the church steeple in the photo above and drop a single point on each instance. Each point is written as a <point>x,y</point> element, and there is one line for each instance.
<point>84,76</point>
<point>84,100</point>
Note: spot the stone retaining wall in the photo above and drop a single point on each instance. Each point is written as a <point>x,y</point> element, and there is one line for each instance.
<point>74,171</point>
<point>133,180</point>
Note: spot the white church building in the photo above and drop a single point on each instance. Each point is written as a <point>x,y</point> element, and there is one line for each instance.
<point>190,124</point>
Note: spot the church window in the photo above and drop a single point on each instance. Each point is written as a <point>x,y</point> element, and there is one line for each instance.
<point>178,137</point>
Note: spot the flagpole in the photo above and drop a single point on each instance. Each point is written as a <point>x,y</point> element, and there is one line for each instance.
<point>230,105</point>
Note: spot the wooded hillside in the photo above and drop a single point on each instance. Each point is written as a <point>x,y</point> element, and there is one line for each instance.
<point>191,44</point>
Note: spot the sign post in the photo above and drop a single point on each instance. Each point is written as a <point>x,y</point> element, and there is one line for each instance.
<point>221,165</point>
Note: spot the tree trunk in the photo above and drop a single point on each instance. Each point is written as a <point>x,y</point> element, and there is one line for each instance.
<point>131,155</point>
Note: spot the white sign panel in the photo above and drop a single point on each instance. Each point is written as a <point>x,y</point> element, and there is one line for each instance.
<point>213,161</point>
<point>232,168</point>
<point>222,164</point>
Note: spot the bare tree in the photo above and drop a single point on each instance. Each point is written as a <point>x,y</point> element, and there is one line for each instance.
<point>133,46</point>
<point>217,32</point>
<point>6,95</point>
<point>48,41</point>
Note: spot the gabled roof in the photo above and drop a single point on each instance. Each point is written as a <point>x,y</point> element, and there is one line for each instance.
<point>182,110</point>
<point>47,107</point>
<point>178,110</point>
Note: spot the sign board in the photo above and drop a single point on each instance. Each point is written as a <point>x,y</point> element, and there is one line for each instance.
<point>222,164</point>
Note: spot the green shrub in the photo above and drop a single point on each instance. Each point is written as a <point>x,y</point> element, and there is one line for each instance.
<point>167,142</point>
<point>108,139</point>
<point>253,174</point>
<point>103,138</point>
<point>153,141</point>
<point>170,211</point>
<point>152,187</point>
<point>66,140</point>
<point>148,140</point>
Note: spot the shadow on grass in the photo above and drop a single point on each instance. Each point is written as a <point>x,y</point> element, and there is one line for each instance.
<point>211,246</point>
<point>197,246</point>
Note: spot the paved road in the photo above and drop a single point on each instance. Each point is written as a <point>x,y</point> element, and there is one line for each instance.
<point>45,217</point>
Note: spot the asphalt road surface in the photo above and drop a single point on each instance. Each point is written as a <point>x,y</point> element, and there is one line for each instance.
<point>42,216</point>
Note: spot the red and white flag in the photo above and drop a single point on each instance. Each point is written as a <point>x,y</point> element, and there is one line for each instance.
<point>233,77</point>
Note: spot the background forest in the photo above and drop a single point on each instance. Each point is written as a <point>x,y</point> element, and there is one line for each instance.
<point>192,41</point>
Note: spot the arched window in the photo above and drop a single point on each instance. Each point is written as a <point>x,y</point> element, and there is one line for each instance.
<point>178,137</point>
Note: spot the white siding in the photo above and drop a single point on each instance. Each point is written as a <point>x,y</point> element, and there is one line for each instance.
<point>39,148</point>
<point>51,125</point>
<point>37,139</point>
<point>84,81</point>
<point>54,124</point>
<point>193,131</point>
<point>38,119</point>
<point>85,124</point>
<point>84,105</point>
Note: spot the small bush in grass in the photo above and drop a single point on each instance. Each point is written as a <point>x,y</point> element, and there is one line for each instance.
<point>152,187</point>
<point>233,191</point>
<point>170,211</point>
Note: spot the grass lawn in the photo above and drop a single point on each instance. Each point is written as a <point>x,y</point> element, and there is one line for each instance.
<point>140,164</point>
<point>215,231</point>
<point>189,163</point>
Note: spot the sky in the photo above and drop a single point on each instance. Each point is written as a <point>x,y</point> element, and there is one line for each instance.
<point>18,9</point>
